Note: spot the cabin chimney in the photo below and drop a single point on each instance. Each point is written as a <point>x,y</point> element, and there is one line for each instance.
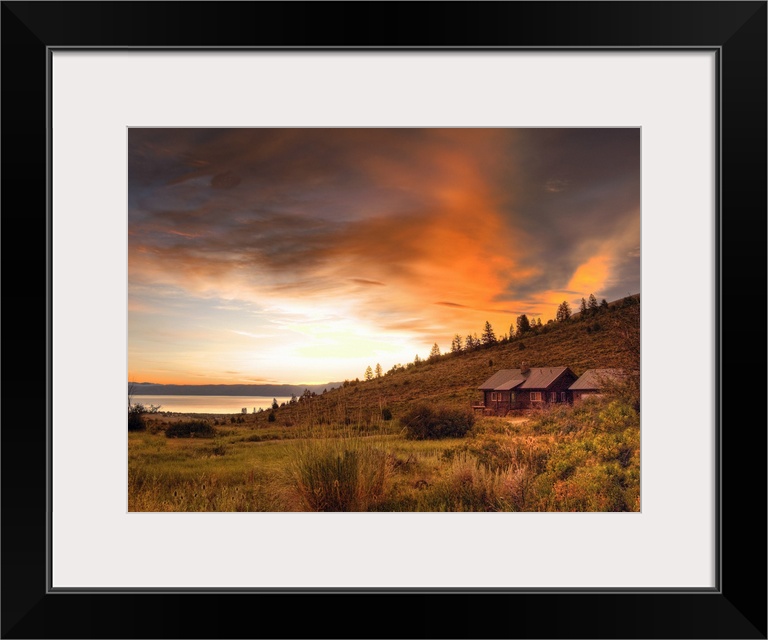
<point>524,368</point>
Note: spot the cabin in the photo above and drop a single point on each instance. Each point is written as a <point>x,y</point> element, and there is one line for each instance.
<point>525,388</point>
<point>592,382</point>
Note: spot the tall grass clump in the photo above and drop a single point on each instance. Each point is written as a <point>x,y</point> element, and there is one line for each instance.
<point>340,472</point>
<point>468,485</point>
<point>425,422</point>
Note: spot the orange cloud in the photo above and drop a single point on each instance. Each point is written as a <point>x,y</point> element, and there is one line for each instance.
<point>591,276</point>
<point>455,243</point>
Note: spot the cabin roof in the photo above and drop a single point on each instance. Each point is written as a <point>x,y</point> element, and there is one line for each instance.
<point>510,384</point>
<point>592,379</point>
<point>500,377</point>
<point>533,378</point>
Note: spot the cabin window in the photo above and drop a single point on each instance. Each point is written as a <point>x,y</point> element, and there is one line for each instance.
<point>493,396</point>
<point>535,396</point>
<point>553,396</point>
<point>511,397</point>
<point>562,396</point>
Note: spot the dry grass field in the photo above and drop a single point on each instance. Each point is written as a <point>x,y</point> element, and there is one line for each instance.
<point>351,448</point>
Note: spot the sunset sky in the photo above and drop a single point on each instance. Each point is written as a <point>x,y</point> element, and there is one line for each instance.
<point>305,255</point>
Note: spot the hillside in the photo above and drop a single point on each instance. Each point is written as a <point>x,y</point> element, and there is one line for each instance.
<point>598,341</point>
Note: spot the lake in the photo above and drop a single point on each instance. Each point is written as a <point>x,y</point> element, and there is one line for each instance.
<point>208,404</point>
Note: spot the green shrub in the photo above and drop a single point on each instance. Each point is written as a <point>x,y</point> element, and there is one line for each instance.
<point>190,429</point>
<point>594,488</point>
<point>425,422</point>
<point>617,416</point>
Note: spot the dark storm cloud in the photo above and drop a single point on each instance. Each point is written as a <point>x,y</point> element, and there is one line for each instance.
<point>577,190</point>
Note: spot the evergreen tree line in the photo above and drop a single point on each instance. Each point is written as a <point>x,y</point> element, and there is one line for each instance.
<point>523,326</point>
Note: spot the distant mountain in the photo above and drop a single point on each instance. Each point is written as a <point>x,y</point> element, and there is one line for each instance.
<point>274,390</point>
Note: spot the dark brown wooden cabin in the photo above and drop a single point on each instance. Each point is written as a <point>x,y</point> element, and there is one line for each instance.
<point>592,382</point>
<point>527,388</point>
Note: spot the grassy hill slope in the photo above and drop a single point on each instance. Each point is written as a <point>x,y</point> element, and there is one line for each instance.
<point>452,379</point>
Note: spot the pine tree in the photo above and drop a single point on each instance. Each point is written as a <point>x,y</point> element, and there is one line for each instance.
<point>604,304</point>
<point>456,344</point>
<point>434,353</point>
<point>538,322</point>
<point>563,311</point>
<point>378,370</point>
<point>583,308</point>
<point>489,337</point>
<point>592,303</point>
<point>368,373</point>
<point>523,325</point>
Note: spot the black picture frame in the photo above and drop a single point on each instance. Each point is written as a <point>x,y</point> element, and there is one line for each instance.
<point>736,608</point>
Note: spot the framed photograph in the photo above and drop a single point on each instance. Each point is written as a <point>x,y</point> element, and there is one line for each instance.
<point>295,271</point>
<point>534,154</point>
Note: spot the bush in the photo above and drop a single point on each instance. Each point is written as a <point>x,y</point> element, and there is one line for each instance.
<point>386,414</point>
<point>424,422</point>
<point>190,429</point>
<point>136,413</point>
<point>136,418</point>
<point>271,417</point>
<point>617,416</point>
